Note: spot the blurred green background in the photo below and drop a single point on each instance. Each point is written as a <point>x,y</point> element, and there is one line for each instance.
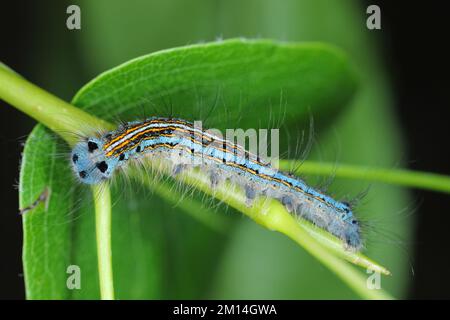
<point>190,260</point>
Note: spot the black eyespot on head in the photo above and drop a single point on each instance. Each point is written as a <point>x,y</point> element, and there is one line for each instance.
<point>354,221</point>
<point>122,157</point>
<point>75,158</point>
<point>138,149</point>
<point>102,166</point>
<point>92,146</point>
<point>82,174</point>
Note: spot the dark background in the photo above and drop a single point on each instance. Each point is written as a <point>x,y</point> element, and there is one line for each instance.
<point>414,49</point>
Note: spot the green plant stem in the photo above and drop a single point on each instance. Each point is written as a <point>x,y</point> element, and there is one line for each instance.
<point>274,216</point>
<point>402,177</point>
<point>56,114</point>
<point>102,196</point>
<point>347,273</point>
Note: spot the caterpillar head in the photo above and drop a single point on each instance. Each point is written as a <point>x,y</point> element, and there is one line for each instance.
<point>90,163</point>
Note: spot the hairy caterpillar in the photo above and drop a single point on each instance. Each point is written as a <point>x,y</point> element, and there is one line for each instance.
<point>184,146</point>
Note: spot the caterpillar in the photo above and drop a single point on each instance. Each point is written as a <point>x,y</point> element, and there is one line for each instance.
<point>183,145</point>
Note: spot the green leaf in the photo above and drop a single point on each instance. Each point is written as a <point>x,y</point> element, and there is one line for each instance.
<point>254,81</point>
<point>47,231</point>
<point>152,250</point>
